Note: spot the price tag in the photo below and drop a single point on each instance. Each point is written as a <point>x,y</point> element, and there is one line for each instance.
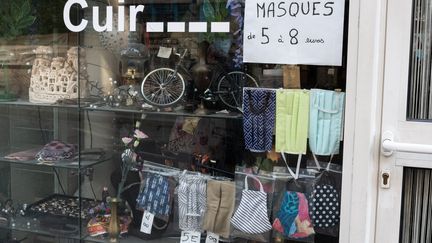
<point>190,237</point>
<point>147,222</point>
<point>212,238</point>
<point>164,52</point>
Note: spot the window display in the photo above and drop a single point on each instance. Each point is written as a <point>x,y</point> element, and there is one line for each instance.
<point>122,134</point>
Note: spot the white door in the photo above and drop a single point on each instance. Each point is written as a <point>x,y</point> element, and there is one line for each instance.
<point>404,212</point>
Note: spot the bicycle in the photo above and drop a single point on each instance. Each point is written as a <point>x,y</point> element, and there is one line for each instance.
<point>164,87</point>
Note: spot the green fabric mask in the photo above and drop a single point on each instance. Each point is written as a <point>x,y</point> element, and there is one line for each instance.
<point>292,121</point>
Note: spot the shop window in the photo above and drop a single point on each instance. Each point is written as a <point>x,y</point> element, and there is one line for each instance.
<point>420,82</point>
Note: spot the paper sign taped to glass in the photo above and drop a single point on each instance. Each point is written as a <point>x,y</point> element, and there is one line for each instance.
<point>294,32</point>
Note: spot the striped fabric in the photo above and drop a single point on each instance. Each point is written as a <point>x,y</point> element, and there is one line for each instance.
<point>192,202</point>
<point>251,216</point>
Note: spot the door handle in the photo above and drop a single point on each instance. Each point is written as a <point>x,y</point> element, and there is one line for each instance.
<point>389,146</point>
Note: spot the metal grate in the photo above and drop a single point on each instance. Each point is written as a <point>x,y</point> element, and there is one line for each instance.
<point>416,223</point>
<point>419,96</point>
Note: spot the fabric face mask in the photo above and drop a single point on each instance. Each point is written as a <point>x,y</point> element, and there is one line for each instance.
<point>155,196</point>
<point>220,207</point>
<point>325,125</point>
<point>259,118</point>
<point>251,216</point>
<point>292,117</point>
<point>293,217</point>
<point>324,203</point>
<point>192,195</point>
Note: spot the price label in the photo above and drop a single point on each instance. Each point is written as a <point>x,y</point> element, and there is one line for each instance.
<point>164,52</point>
<point>147,222</point>
<point>212,238</point>
<point>190,237</point>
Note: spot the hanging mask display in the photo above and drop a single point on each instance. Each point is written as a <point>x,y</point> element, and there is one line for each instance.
<point>156,196</point>
<point>324,201</point>
<point>292,116</point>
<point>220,207</point>
<point>293,219</point>
<point>259,106</point>
<point>325,125</point>
<point>325,206</point>
<point>192,198</point>
<point>251,215</point>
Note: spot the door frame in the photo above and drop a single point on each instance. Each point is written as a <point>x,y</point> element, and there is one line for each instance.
<point>365,75</point>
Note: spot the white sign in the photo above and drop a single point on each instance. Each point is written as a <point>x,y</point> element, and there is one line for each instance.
<point>212,238</point>
<point>147,222</point>
<point>190,237</point>
<point>294,32</point>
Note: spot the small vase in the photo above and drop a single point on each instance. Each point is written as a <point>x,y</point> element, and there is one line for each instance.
<point>114,225</point>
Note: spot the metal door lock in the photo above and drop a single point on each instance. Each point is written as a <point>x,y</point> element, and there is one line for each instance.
<point>385,179</point>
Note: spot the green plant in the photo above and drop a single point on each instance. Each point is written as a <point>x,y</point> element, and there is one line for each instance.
<point>216,12</point>
<point>15,17</point>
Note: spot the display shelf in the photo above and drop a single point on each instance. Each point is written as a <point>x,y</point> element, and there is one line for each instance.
<point>211,114</point>
<point>35,226</point>
<point>132,239</point>
<point>65,164</point>
<point>86,106</point>
<point>21,102</point>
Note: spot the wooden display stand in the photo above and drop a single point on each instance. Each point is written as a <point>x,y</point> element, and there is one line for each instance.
<point>291,77</point>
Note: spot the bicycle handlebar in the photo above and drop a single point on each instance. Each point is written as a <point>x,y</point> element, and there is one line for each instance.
<point>181,55</point>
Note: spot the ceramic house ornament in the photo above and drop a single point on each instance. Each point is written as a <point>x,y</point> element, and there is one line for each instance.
<point>56,78</point>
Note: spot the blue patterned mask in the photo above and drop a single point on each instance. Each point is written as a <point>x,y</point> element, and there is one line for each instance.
<point>155,196</point>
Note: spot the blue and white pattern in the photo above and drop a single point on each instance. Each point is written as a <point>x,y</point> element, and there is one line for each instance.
<point>259,107</point>
<point>155,196</point>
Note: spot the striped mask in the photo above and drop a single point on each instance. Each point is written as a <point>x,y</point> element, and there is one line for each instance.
<point>251,216</point>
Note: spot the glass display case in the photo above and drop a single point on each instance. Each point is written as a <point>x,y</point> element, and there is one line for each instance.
<point>110,134</point>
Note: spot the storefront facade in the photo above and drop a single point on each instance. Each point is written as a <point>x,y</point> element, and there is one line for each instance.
<point>154,97</point>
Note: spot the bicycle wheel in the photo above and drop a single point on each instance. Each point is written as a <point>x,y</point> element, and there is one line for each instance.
<point>163,87</point>
<point>230,88</point>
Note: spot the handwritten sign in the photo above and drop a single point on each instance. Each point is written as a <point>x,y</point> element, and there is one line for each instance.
<point>190,237</point>
<point>147,222</point>
<point>294,32</point>
<point>212,238</point>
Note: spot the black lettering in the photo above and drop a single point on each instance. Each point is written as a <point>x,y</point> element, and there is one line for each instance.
<point>314,8</point>
<point>262,8</point>
<point>303,8</point>
<point>282,8</point>
<point>264,35</point>
<point>315,41</point>
<point>294,11</point>
<point>271,10</point>
<point>326,5</point>
<point>194,238</point>
<point>293,34</point>
<point>185,237</point>
<point>212,239</point>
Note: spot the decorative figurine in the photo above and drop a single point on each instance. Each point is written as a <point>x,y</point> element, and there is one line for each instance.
<point>57,78</point>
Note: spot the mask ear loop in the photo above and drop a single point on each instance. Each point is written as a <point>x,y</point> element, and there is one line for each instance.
<point>316,161</point>
<point>256,179</point>
<point>296,174</point>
